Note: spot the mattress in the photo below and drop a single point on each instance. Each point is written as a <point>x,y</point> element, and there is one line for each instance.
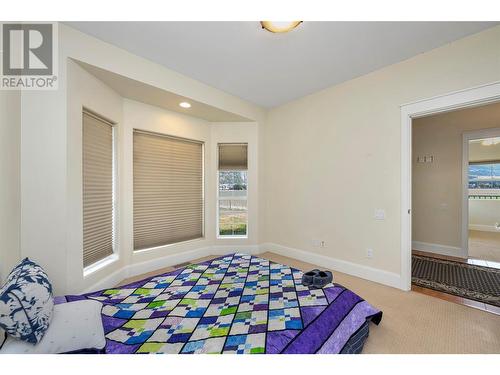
<point>238,304</point>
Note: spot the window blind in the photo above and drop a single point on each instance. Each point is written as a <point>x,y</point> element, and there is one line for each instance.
<point>168,190</point>
<point>97,189</point>
<point>233,156</point>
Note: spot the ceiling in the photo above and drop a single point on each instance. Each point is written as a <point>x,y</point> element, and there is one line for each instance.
<point>142,92</point>
<point>271,69</point>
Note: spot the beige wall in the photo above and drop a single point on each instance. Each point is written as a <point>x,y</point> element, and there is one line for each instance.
<point>82,47</point>
<point>50,195</point>
<point>333,157</point>
<point>484,214</point>
<point>326,161</point>
<point>10,205</point>
<point>151,118</point>
<point>437,187</point>
<point>85,90</point>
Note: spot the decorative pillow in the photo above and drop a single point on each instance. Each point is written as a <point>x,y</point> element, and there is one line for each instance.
<point>26,302</point>
<point>75,328</point>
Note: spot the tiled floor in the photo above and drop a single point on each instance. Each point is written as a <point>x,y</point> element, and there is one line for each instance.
<point>485,245</point>
<point>456,299</point>
<point>475,261</point>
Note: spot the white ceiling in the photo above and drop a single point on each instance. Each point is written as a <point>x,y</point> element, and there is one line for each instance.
<point>271,69</point>
<point>142,92</point>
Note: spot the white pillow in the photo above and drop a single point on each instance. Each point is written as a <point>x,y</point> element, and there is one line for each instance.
<point>75,326</point>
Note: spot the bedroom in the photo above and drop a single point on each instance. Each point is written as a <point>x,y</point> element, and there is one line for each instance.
<point>178,193</point>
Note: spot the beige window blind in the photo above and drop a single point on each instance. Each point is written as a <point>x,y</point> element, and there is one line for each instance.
<point>168,190</point>
<point>233,157</point>
<point>97,189</point>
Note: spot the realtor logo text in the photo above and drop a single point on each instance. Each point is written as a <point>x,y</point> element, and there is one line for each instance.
<point>29,56</point>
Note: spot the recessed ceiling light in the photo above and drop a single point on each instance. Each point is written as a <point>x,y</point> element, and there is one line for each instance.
<point>185,105</point>
<point>280,26</point>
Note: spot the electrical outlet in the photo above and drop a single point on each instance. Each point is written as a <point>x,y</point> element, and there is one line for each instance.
<point>318,243</point>
<point>369,253</point>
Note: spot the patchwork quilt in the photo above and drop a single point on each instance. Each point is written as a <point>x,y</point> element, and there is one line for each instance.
<point>233,304</point>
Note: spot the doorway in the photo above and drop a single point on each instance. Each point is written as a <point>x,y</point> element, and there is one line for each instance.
<point>454,185</point>
<point>470,98</point>
<point>482,195</point>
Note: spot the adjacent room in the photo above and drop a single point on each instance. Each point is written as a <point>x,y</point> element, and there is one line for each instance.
<point>456,209</point>
<point>484,198</point>
<point>250,187</point>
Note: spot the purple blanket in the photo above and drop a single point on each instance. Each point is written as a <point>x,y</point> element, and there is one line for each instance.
<point>233,304</point>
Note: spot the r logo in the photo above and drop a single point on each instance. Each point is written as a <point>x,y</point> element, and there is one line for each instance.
<point>27,49</point>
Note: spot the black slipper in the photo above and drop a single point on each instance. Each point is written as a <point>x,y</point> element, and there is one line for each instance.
<point>322,278</point>
<point>308,277</point>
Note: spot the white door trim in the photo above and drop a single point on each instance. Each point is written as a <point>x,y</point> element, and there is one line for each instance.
<point>471,97</point>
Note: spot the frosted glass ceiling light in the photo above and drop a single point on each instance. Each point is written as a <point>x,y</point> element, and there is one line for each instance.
<point>280,26</point>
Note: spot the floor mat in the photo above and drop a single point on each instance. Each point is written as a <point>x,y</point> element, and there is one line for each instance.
<point>460,279</point>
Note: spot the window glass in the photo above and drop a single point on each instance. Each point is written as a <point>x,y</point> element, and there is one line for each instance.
<point>233,210</point>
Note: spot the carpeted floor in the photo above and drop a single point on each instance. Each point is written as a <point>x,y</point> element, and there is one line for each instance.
<point>414,322</point>
<point>458,278</point>
<point>417,323</point>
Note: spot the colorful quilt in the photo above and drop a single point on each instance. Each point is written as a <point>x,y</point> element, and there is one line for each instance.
<point>233,304</point>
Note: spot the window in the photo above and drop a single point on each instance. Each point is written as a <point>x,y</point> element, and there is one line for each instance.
<point>168,190</point>
<point>98,189</point>
<point>232,205</point>
<point>484,175</point>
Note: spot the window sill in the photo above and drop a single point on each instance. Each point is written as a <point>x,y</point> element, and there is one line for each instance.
<point>169,245</point>
<point>89,270</point>
<point>232,237</point>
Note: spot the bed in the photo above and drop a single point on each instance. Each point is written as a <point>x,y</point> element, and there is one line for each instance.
<point>232,304</point>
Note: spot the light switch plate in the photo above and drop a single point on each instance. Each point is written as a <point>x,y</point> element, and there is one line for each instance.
<point>379,214</point>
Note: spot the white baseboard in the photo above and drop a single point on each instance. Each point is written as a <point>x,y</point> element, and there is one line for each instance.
<point>364,272</point>
<point>358,270</point>
<point>484,228</point>
<point>229,249</point>
<point>136,269</point>
<point>439,249</point>
<point>109,281</point>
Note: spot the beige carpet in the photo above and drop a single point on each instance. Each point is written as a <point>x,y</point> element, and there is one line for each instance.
<point>484,245</point>
<point>414,322</point>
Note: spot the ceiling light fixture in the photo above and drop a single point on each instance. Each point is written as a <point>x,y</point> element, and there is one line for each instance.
<point>280,26</point>
<point>185,105</point>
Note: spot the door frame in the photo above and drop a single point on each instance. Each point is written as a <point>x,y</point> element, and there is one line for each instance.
<point>471,97</point>
<point>466,137</point>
